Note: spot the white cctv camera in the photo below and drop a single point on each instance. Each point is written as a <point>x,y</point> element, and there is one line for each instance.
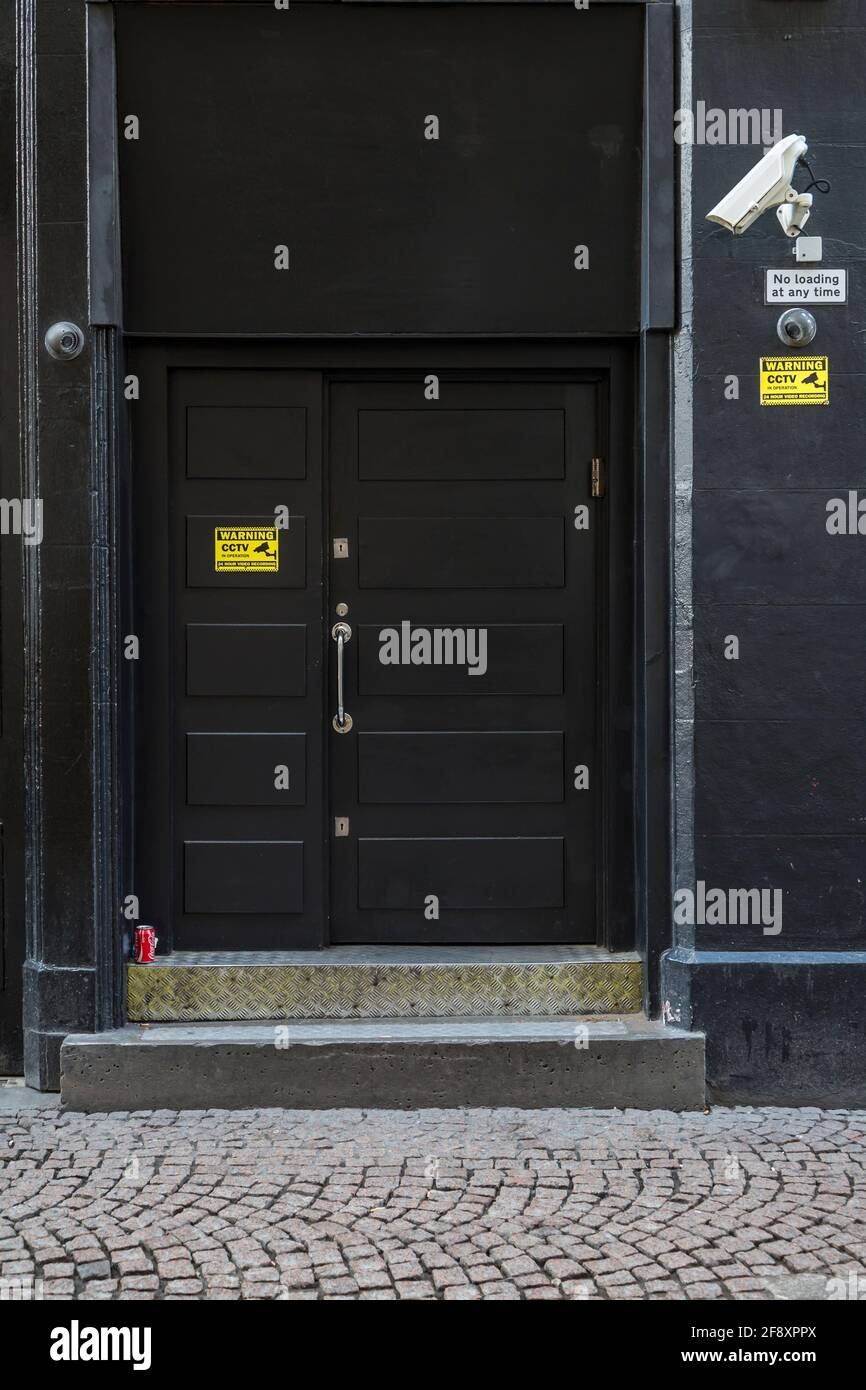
<point>767,185</point>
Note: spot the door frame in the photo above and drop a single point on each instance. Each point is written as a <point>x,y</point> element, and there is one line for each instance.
<point>610,364</point>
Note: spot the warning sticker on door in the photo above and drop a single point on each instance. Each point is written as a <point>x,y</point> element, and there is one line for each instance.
<point>246,549</point>
<point>795,380</point>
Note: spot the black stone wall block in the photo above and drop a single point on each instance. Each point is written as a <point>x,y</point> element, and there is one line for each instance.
<point>744,446</point>
<point>822,879</point>
<point>788,777</point>
<point>797,661</point>
<point>774,547</point>
<point>778,1033</point>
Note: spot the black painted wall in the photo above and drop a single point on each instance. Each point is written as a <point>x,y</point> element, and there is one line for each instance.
<point>781,732</point>
<point>780,748</point>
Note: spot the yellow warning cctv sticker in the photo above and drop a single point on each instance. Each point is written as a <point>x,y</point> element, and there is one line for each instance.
<point>246,549</point>
<point>795,380</point>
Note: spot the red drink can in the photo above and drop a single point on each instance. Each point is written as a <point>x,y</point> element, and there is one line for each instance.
<point>145,945</point>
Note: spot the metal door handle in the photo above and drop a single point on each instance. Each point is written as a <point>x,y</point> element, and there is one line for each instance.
<point>341,633</point>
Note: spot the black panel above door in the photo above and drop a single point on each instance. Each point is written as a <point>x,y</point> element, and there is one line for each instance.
<point>326,154</point>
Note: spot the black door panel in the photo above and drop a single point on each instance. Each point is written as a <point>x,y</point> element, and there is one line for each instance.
<point>256,659</point>
<point>200,541</point>
<point>460,552</point>
<point>231,441</point>
<point>241,769</point>
<point>514,873</point>
<point>245,877</point>
<point>522,659</point>
<point>445,767</point>
<point>457,445</point>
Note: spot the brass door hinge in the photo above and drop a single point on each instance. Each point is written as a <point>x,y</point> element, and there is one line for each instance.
<point>598,478</point>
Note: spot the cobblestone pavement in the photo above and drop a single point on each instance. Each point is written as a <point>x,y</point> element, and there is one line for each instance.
<point>544,1204</point>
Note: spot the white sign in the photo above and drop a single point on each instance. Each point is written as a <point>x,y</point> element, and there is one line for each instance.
<point>814,286</point>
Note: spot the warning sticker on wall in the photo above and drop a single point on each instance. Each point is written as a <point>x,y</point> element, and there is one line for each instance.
<point>250,549</point>
<point>795,380</point>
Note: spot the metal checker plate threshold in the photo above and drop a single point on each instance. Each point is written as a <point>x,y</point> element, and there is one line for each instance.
<point>370,982</point>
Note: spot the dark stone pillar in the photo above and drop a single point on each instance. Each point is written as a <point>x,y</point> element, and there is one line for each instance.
<point>67,455</point>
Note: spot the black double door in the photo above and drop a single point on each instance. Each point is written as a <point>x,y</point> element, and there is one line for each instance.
<point>366,701</point>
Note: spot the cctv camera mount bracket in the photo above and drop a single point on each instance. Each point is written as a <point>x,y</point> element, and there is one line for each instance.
<point>793,214</point>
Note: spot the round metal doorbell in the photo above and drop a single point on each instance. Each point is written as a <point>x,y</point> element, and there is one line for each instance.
<point>64,340</point>
<point>796,327</point>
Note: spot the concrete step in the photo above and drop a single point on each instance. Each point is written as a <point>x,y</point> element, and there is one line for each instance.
<point>386,1064</point>
<point>385,982</point>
